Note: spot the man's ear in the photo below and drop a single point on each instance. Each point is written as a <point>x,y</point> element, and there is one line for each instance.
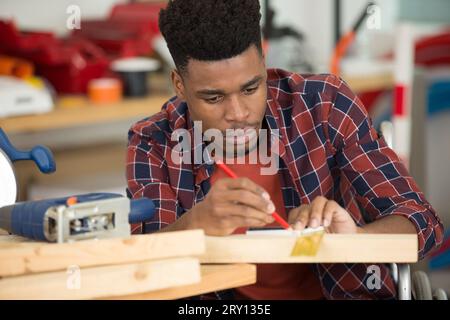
<point>177,83</point>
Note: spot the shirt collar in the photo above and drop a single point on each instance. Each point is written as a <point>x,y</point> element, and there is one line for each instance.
<point>273,110</point>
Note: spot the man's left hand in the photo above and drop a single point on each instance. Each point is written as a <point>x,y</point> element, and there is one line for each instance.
<point>323,212</point>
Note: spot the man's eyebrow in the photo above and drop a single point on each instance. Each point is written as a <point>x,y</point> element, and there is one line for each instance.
<point>254,81</point>
<point>211,92</point>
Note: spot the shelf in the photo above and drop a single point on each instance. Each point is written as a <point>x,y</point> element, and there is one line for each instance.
<point>84,113</point>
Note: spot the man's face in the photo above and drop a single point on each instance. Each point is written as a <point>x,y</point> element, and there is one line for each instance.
<point>227,94</point>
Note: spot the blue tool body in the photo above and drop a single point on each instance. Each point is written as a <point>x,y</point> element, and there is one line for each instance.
<point>27,219</point>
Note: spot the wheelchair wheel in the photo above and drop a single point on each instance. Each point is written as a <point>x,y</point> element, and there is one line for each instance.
<point>421,286</point>
<point>440,294</point>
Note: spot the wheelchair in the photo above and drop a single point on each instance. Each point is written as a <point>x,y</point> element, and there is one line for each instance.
<point>416,286</point>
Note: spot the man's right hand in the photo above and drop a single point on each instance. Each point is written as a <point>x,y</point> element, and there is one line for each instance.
<point>231,204</point>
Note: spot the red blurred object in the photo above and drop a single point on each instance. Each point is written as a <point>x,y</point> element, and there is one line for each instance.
<point>67,64</point>
<point>433,50</point>
<point>370,98</point>
<point>128,31</point>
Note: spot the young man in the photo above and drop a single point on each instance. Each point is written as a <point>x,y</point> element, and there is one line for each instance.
<point>332,167</point>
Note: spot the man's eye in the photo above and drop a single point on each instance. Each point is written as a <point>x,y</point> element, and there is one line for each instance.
<point>213,100</point>
<point>250,90</point>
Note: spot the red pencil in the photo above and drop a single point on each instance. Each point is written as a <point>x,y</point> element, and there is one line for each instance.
<point>231,174</point>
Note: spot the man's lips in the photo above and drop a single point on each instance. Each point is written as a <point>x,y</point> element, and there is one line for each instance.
<point>241,135</point>
<point>239,131</point>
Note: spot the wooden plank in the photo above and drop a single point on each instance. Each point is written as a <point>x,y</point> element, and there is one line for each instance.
<point>5,237</point>
<point>100,282</point>
<point>214,278</point>
<point>26,258</point>
<point>335,248</point>
<point>3,233</point>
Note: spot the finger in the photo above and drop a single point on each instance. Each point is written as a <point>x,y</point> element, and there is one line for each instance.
<point>250,199</point>
<point>302,218</point>
<point>243,211</point>
<point>248,222</point>
<point>246,184</point>
<point>330,209</point>
<point>317,207</point>
<point>294,214</point>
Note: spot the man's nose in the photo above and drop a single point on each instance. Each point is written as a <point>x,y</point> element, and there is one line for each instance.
<point>236,110</point>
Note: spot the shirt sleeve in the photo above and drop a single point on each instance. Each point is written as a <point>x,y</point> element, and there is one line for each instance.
<point>381,182</point>
<point>147,176</point>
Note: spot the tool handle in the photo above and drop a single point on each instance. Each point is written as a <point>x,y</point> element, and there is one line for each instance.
<point>141,210</point>
<point>27,219</point>
<point>41,155</point>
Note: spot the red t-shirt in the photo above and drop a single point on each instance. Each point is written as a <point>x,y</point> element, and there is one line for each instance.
<point>274,281</point>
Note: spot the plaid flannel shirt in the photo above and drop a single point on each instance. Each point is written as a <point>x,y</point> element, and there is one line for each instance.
<point>328,148</point>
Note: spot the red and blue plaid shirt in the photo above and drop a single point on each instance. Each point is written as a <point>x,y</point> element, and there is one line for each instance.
<point>328,148</point>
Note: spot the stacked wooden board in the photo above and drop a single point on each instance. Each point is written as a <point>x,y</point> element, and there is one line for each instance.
<point>99,268</point>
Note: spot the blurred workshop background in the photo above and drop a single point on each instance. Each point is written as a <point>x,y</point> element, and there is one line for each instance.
<point>75,74</point>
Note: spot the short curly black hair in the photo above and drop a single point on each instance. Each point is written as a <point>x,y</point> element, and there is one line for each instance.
<point>210,30</point>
